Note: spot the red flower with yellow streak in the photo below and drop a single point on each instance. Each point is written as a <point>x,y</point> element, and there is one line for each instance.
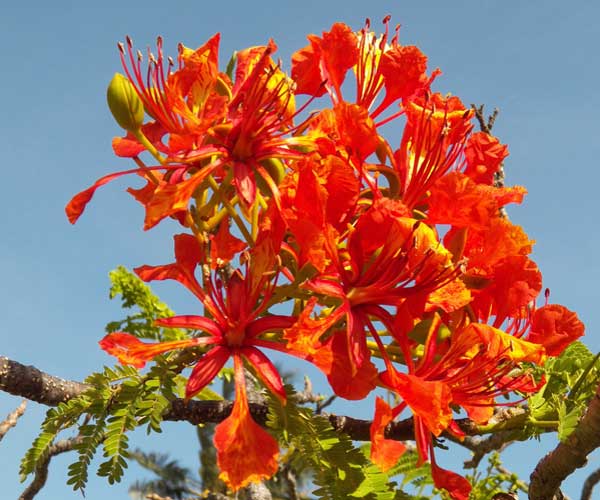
<point>478,365</point>
<point>245,452</point>
<point>214,127</point>
<point>380,262</point>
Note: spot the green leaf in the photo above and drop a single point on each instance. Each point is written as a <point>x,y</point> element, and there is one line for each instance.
<point>136,294</point>
<point>568,420</point>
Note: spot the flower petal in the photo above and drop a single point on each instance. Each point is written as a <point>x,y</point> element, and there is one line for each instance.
<point>77,205</point>
<point>206,370</point>
<point>266,371</point>
<point>428,399</point>
<point>191,322</point>
<point>384,452</point>
<point>129,350</point>
<point>555,327</point>
<point>245,452</point>
<point>458,487</point>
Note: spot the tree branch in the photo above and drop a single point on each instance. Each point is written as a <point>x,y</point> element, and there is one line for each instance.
<point>11,420</point>
<point>41,473</point>
<point>33,384</point>
<point>588,486</point>
<point>567,456</point>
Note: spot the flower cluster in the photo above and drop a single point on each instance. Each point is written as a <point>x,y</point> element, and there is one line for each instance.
<point>313,234</point>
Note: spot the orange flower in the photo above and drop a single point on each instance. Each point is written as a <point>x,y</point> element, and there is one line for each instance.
<point>458,200</point>
<point>213,126</point>
<point>483,156</point>
<point>131,351</point>
<point>433,139</point>
<point>322,67</point>
<point>384,452</point>
<point>555,327</point>
<point>245,451</point>
<point>470,369</point>
<point>513,283</point>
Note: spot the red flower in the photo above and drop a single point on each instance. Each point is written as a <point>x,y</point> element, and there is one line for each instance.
<point>322,66</point>
<point>555,327</point>
<point>483,154</point>
<point>477,366</point>
<point>383,260</point>
<point>234,330</point>
<point>433,140</point>
<point>214,127</point>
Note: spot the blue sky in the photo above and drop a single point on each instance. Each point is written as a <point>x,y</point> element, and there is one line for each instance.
<point>537,61</point>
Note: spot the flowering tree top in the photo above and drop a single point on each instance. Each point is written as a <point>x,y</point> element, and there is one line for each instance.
<point>387,262</point>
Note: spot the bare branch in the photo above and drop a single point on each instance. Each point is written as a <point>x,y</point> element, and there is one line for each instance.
<point>258,491</point>
<point>567,456</point>
<point>35,385</point>
<point>11,420</point>
<point>485,124</point>
<point>52,390</point>
<point>41,473</point>
<point>154,496</point>
<point>592,480</point>
<point>482,446</point>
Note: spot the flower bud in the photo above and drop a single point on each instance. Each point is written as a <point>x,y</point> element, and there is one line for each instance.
<point>124,103</point>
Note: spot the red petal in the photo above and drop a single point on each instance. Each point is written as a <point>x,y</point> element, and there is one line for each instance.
<point>326,60</point>
<point>191,322</point>
<point>245,182</point>
<point>458,487</point>
<point>172,198</point>
<point>206,370</point>
<point>77,205</point>
<point>346,382</point>
<point>224,246</point>
<point>129,350</point>
<point>430,400</point>
<point>245,452</point>
<point>384,452</point>
<point>555,327</point>
<point>266,371</point>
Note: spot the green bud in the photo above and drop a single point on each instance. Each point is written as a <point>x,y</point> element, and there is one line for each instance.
<point>124,103</point>
<point>275,167</point>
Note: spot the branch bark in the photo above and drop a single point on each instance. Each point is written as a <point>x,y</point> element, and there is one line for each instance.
<point>11,420</point>
<point>567,456</point>
<point>36,385</point>
<point>41,473</point>
<point>588,486</point>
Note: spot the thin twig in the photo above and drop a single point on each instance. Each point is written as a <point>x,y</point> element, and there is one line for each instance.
<point>11,420</point>
<point>41,472</point>
<point>485,124</point>
<point>588,486</point>
<point>155,496</point>
<point>290,481</point>
<point>482,446</point>
<point>258,491</point>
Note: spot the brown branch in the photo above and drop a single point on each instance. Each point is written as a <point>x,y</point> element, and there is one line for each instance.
<point>485,124</point>
<point>588,486</point>
<point>33,384</point>
<point>41,472</point>
<point>567,456</point>
<point>480,447</point>
<point>258,491</point>
<point>11,420</point>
